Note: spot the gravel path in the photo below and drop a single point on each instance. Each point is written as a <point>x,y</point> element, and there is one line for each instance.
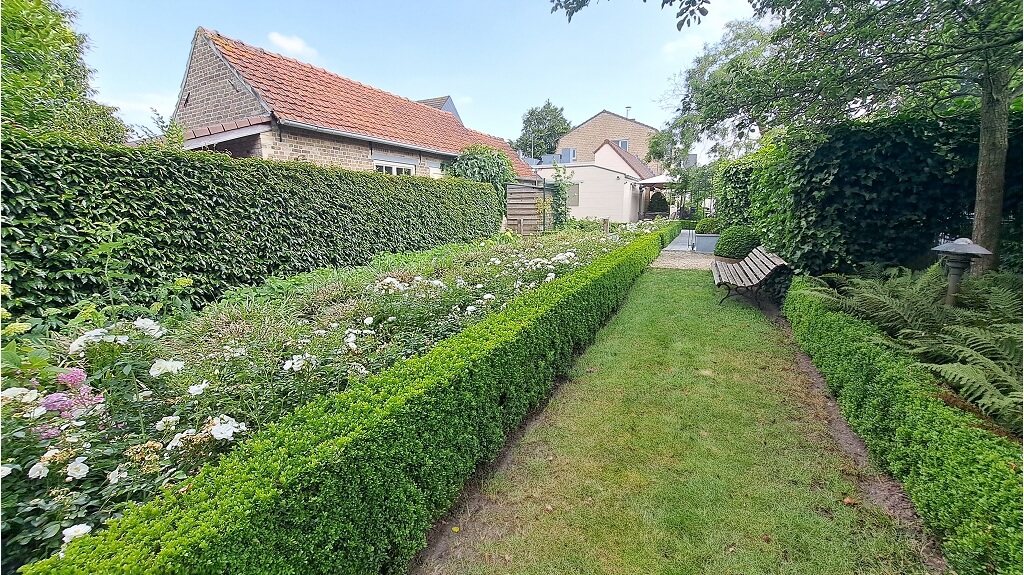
<point>683,260</point>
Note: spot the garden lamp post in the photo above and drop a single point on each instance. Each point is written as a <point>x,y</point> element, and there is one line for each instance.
<point>959,254</point>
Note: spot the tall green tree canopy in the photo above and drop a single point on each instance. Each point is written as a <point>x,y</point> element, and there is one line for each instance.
<point>44,82</point>
<point>828,61</point>
<point>482,163</point>
<point>542,128</point>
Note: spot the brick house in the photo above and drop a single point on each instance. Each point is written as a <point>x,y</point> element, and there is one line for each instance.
<point>630,135</point>
<point>249,102</point>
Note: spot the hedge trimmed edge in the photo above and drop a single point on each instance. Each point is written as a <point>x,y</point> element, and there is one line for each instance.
<point>223,222</point>
<point>964,480</point>
<point>352,482</point>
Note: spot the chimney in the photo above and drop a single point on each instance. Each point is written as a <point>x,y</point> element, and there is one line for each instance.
<point>627,111</point>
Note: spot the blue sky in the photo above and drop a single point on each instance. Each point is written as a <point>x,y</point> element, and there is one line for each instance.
<point>496,58</point>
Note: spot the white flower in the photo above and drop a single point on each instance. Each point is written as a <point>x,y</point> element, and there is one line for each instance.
<point>91,336</point>
<point>488,296</point>
<point>549,277</point>
<point>368,321</point>
<point>77,469</point>
<point>391,319</point>
<point>29,397</point>
<point>5,471</point>
<point>75,531</point>
<point>38,471</point>
<point>470,308</point>
<point>149,327</point>
<point>175,442</point>
<point>12,393</point>
<point>168,422</point>
<point>162,366</point>
<point>225,427</point>
<point>297,362</point>
<point>37,412</point>
<point>116,475</point>
<point>143,395</point>
<point>479,286</point>
<point>198,388</point>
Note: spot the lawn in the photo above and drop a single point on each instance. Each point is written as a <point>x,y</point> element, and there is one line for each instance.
<point>681,444</point>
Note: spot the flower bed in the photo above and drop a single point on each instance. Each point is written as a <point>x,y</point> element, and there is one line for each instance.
<point>351,482</point>
<point>964,480</point>
<point>140,407</point>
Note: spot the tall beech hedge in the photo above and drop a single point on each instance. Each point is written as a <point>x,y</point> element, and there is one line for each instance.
<point>352,482</point>
<point>222,222</point>
<point>964,480</point>
<point>878,191</point>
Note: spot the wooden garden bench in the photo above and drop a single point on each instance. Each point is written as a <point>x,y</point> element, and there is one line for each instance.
<point>747,276</point>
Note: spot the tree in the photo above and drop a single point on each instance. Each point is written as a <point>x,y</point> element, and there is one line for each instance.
<point>482,163</point>
<point>828,62</point>
<point>542,128</point>
<point>44,82</point>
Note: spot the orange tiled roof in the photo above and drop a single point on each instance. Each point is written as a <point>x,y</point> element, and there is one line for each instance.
<point>299,92</point>
<point>641,169</point>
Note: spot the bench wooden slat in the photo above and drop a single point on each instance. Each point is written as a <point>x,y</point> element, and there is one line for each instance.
<point>748,274</point>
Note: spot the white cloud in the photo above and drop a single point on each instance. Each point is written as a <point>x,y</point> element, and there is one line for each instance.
<point>293,45</point>
<point>136,108</point>
<point>685,45</point>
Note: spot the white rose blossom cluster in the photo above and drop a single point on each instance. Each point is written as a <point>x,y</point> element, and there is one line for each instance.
<point>95,336</point>
<point>299,362</point>
<point>149,327</point>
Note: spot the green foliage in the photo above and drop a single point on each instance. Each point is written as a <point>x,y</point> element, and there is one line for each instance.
<point>736,242</point>
<point>878,191</point>
<point>542,128</point>
<point>482,163</point>
<point>561,182</point>
<point>964,481</point>
<point>708,226</point>
<point>222,222</point>
<point>975,346</point>
<point>658,203</point>
<point>44,82</point>
<point>351,483</point>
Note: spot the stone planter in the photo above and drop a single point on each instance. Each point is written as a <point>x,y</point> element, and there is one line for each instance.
<point>705,243</point>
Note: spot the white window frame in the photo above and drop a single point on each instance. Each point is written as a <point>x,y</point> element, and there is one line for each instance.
<point>622,143</point>
<point>393,168</point>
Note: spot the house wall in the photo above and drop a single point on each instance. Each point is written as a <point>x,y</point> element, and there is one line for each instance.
<point>211,92</point>
<point>245,147</point>
<point>603,193</point>
<point>607,126</point>
<point>606,157</point>
<point>288,144</point>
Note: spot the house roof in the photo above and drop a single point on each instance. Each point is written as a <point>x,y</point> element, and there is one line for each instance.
<point>617,116</point>
<point>638,166</point>
<point>435,102</point>
<point>225,127</point>
<point>300,93</point>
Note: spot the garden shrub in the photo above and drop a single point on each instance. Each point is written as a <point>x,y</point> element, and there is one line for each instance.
<point>865,191</point>
<point>351,483</point>
<point>736,242</point>
<point>222,222</point>
<point>708,226</point>
<point>658,203</point>
<point>964,480</point>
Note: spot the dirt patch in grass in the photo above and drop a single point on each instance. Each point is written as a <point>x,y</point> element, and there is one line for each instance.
<point>874,486</point>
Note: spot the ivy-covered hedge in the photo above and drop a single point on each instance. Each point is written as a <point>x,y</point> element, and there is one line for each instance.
<point>964,481</point>
<point>352,482</point>
<point>222,222</point>
<point>878,191</point>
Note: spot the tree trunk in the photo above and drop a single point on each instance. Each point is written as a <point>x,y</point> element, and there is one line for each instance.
<point>992,147</point>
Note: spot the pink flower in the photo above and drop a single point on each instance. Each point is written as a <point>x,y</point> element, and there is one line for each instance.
<point>59,401</point>
<point>73,378</point>
<point>47,431</point>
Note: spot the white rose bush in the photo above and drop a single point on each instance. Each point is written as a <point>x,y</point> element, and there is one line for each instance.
<point>108,411</point>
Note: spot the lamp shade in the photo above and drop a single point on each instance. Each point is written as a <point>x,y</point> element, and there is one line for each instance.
<point>962,247</point>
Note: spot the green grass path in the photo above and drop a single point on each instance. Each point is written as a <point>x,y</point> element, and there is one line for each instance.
<point>682,444</point>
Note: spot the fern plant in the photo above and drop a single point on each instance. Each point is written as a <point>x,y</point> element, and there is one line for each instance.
<point>974,346</point>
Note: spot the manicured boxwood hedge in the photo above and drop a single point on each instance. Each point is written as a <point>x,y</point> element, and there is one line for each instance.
<point>964,480</point>
<point>352,482</point>
<point>223,222</point>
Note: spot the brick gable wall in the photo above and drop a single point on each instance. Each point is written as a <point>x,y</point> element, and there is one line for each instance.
<point>587,137</point>
<point>213,91</point>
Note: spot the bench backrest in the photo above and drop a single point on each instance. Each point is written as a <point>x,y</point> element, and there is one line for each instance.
<point>761,263</point>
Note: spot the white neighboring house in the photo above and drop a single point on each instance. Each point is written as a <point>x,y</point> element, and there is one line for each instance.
<point>608,187</point>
